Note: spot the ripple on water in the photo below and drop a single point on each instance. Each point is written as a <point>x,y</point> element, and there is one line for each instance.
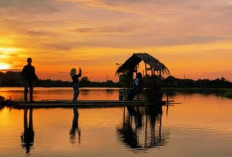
<point>207,132</point>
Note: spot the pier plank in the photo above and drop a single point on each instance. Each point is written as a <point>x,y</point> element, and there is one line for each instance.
<point>82,104</point>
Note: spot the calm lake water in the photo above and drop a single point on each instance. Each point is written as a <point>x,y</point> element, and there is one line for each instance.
<point>200,126</point>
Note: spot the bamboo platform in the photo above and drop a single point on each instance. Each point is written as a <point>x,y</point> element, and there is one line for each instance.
<point>83,104</point>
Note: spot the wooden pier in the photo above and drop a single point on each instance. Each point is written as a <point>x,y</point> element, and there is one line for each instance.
<point>82,104</point>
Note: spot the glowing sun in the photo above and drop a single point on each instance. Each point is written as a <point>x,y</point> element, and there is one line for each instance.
<point>4,66</point>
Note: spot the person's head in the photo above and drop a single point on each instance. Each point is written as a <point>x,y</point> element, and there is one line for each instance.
<point>73,72</point>
<point>29,60</point>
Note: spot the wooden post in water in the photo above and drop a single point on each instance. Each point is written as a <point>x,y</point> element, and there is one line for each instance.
<point>160,128</point>
<point>145,131</point>
<point>146,74</point>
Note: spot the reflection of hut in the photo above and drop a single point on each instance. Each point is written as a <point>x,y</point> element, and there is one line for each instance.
<point>141,128</point>
<point>154,66</point>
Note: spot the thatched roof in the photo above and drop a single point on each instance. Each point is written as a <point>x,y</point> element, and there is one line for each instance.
<point>136,58</point>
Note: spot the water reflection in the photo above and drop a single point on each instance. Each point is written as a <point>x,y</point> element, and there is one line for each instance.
<point>75,127</point>
<point>27,137</point>
<point>40,93</point>
<point>142,127</point>
<point>140,130</point>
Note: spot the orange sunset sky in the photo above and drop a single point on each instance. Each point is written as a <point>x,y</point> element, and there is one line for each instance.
<point>192,38</point>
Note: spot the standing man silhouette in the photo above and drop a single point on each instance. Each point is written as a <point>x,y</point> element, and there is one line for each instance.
<point>29,78</point>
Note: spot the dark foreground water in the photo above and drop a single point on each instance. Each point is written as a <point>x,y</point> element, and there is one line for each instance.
<point>201,126</point>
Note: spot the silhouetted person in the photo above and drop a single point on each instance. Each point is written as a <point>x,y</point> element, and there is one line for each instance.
<point>27,137</point>
<point>29,77</point>
<point>75,126</point>
<point>137,87</point>
<point>75,79</point>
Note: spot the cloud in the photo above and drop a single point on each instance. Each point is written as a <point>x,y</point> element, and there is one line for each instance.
<point>141,22</point>
<point>29,5</point>
<point>39,33</point>
<point>62,32</point>
<point>58,46</point>
<point>205,39</point>
<point>124,28</point>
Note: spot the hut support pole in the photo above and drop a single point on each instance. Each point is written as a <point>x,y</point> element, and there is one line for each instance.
<point>146,74</point>
<point>152,71</point>
<point>145,133</point>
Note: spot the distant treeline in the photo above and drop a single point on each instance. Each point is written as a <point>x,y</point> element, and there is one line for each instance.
<point>14,79</point>
<point>202,83</point>
<point>84,82</point>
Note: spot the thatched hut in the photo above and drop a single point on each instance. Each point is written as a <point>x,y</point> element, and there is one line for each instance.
<point>154,66</point>
<point>131,64</point>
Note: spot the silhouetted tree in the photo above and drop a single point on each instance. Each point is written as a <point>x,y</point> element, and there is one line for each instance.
<point>84,82</point>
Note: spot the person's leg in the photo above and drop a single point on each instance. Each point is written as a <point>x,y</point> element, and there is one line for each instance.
<point>25,91</point>
<point>75,95</point>
<point>130,95</point>
<point>136,91</point>
<point>31,92</point>
<point>75,92</point>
